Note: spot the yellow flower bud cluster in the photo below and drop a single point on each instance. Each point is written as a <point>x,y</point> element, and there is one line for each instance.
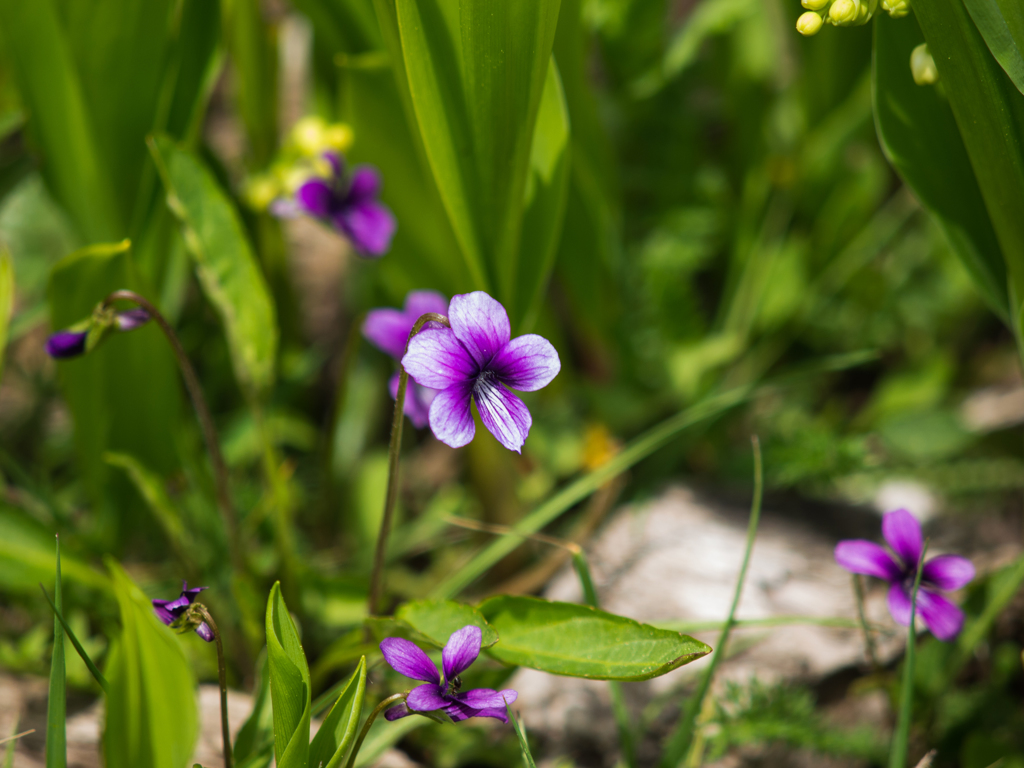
<point>300,158</point>
<point>844,13</point>
<point>922,66</point>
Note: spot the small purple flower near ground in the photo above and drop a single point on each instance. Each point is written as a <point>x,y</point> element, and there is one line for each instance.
<point>346,202</point>
<point>388,330</point>
<point>169,611</point>
<point>68,343</point>
<point>478,360</point>
<point>439,692</point>
<point>945,572</point>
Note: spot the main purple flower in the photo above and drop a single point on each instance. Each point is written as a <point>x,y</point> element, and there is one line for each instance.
<point>477,359</point>
<point>945,572</point>
<point>388,330</point>
<point>348,203</point>
<point>70,343</point>
<point>439,692</point>
<point>169,611</point>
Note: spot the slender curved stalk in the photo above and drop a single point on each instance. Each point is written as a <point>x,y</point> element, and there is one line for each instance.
<point>898,751</point>
<point>195,392</point>
<point>869,639</point>
<point>395,447</point>
<point>225,730</point>
<point>369,721</point>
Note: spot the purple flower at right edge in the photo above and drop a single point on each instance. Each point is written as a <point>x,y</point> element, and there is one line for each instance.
<point>945,572</point>
<point>478,360</point>
<point>437,693</point>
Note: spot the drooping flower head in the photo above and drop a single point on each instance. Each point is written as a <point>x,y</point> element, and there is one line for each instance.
<point>388,330</point>
<point>65,344</point>
<point>945,572</point>
<point>169,611</point>
<point>74,341</point>
<point>478,360</point>
<point>348,203</point>
<point>443,693</point>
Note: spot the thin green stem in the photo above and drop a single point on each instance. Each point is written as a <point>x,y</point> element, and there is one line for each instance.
<point>222,675</point>
<point>869,639</point>
<point>898,751</point>
<point>348,356</point>
<point>680,742</point>
<point>195,392</point>
<point>369,721</point>
<point>394,449</point>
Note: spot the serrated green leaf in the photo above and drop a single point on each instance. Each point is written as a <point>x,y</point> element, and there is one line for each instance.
<point>225,263</point>
<point>915,128</point>
<point>1001,23</point>
<point>580,641</point>
<point>289,685</point>
<point>335,736</point>
<point>57,701</point>
<point>436,620</point>
<point>6,300</point>
<point>151,686</point>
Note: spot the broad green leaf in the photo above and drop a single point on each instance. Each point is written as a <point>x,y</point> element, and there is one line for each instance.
<point>151,687</point>
<point>436,620</point>
<point>227,269</point>
<point>57,701</point>
<point>1001,23</point>
<point>547,187</point>
<point>124,396</point>
<point>254,744</point>
<point>915,126</point>
<point>289,685</point>
<point>338,730</point>
<point>476,72</point>
<point>6,300</point>
<point>580,641</point>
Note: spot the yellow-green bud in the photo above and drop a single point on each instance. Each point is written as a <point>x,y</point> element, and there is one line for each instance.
<point>308,135</point>
<point>896,8</point>
<point>338,137</point>
<point>809,23</point>
<point>922,66</point>
<point>260,191</point>
<point>814,5</point>
<point>844,12</point>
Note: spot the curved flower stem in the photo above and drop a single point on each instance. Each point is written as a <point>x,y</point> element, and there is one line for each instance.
<point>377,574</point>
<point>369,721</point>
<point>898,750</point>
<point>222,675</point>
<point>195,392</point>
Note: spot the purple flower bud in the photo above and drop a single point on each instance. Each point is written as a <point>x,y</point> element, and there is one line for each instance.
<point>64,344</point>
<point>131,319</point>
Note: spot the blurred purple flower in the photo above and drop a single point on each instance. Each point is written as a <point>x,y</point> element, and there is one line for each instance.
<point>131,319</point>
<point>169,611</point>
<point>458,654</point>
<point>388,330</point>
<point>476,359</point>
<point>68,343</point>
<point>346,202</point>
<point>945,572</point>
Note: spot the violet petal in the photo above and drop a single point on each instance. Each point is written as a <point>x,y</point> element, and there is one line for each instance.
<point>337,163</point>
<point>436,359</point>
<point>451,419</point>
<point>396,712</point>
<point>365,183</point>
<point>160,609</point>
<point>527,363</point>
<point>204,631</point>
<point>481,324</point>
<point>505,415</point>
<point>419,303</point>
<point>860,556</point>
<point>369,225</point>
<point>417,400</point>
<point>943,618</point>
<point>458,712</point>
<point>903,533</point>
<point>316,198</point>
<point>486,698</point>
<point>426,698</point>
<point>388,330</point>
<point>64,344</point>
<point>408,659</point>
<point>947,572</point>
<point>899,604</point>
<point>131,319</point>
<point>461,650</point>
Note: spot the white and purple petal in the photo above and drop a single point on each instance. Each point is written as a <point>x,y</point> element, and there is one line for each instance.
<point>417,400</point>
<point>903,533</point>
<point>481,324</point>
<point>868,558</point>
<point>204,631</point>
<point>527,363</point>
<point>451,419</point>
<point>949,572</point>
<point>426,698</point>
<point>369,225</point>
<point>131,319</point>
<point>408,659</point>
<point>460,651</point>
<point>943,618</point>
<point>285,208</point>
<point>388,330</point>
<point>437,359</point>
<point>316,198</point>
<point>505,415</point>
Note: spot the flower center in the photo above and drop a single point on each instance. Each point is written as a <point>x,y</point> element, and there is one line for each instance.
<point>454,685</point>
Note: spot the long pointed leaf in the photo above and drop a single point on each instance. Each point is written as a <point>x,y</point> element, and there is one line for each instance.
<point>97,676</point>
<point>335,736</point>
<point>1001,23</point>
<point>289,685</point>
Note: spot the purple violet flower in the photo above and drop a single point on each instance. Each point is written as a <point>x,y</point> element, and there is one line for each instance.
<point>347,203</point>
<point>131,319</point>
<point>64,344</point>
<point>169,611</point>
<point>477,360</point>
<point>945,572</point>
<point>439,692</point>
<point>388,330</point>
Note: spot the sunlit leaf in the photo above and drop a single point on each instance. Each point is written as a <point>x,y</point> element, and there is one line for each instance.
<point>289,685</point>
<point>338,730</point>
<point>436,620</point>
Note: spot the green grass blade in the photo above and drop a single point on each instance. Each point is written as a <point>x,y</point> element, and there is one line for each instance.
<point>6,299</point>
<point>524,745</point>
<point>898,752</point>
<point>57,702</point>
<point>97,675</point>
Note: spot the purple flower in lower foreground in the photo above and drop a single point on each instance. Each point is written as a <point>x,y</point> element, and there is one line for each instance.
<point>478,360</point>
<point>169,611</point>
<point>945,572</point>
<point>439,692</point>
<point>346,202</point>
<point>388,330</point>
